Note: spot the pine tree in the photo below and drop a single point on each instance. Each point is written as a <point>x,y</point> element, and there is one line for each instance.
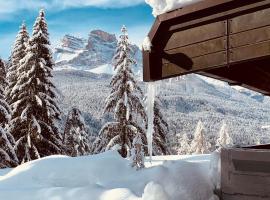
<point>137,153</point>
<point>161,130</point>
<point>199,145</point>
<point>224,139</point>
<point>17,54</point>
<point>8,157</point>
<point>36,110</point>
<point>184,145</point>
<point>125,101</point>
<point>76,138</point>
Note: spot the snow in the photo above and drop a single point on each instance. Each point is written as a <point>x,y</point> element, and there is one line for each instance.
<point>103,69</point>
<point>67,56</point>
<point>147,44</point>
<point>108,176</point>
<point>154,191</point>
<point>163,6</point>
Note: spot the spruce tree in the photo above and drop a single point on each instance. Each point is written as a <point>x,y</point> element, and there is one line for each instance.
<point>137,152</point>
<point>199,145</point>
<point>17,54</point>
<point>161,131</point>
<point>184,145</point>
<point>224,139</point>
<point>8,157</point>
<point>36,111</point>
<point>125,102</point>
<point>76,138</point>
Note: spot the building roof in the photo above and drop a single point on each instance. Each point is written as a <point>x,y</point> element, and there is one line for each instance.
<point>224,39</point>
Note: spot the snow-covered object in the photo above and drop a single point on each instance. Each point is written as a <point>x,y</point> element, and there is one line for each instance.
<point>137,153</point>
<point>124,101</point>
<point>184,145</point>
<point>160,143</point>
<point>76,137</point>
<point>224,139</point>
<point>5,111</point>
<point>147,44</point>
<point>17,54</point>
<point>8,157</point>
<point>108,176</point>
<point>163,6</point>
<point>199,144</point>
<point>35,110</point>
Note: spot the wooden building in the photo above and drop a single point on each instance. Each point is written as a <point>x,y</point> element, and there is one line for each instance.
<point>227,40</point>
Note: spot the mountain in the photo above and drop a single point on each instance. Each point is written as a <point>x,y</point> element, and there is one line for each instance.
<point>93,54</point>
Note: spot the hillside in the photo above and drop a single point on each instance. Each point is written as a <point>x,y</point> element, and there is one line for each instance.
<point>185,101</point>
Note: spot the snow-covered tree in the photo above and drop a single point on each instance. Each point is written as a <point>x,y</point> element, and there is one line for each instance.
<point>224,139</point>
<point>161,131</point>
<point>8,157</point>
<point>199,144</point>
<point>76,138</point>
<point>125,101</point>
<point>36,111</point>
<point>17,54</point>
<point>137,153</point>
<point>184,148</point>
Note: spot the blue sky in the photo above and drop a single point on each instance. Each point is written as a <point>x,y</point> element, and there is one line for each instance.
<point>75,17</point>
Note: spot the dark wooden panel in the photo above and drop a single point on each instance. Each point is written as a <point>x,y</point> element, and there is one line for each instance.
<point>250,52</point>
<point>249,184</point>
<point>250,21</point>
<point>241,197</point>
<point>198,63</point>
<point>246,7</point>
<point>250,37</point>
<point>244,73</point>
<point>239,183</point>
<point>203,48</point>
<point>251,166</point>
<point>153,70</point>
<point>197,34</point>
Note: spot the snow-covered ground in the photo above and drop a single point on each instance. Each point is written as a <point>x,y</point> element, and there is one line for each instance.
<point>108,176</point>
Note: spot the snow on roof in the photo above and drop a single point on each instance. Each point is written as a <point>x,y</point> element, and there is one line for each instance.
<point>163,6</point>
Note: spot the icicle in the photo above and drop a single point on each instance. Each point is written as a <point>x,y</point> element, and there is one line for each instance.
<point>150,115</point>
<point>28,140</point>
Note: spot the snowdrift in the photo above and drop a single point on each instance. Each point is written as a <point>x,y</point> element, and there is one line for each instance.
<point>108,176</point>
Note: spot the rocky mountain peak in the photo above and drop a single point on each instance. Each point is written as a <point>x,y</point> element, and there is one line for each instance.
<point>94,53</point>
<point>72,42</point>
<point>102,35</point>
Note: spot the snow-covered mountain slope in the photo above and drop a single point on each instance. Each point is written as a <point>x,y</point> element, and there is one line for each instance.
<point>92,53</point>
<point>185,101</point>
<point>108,176</point>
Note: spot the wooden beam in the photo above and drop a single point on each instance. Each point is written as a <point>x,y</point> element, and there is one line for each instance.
<point>253,75</point>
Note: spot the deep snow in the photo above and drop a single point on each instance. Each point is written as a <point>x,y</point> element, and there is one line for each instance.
<point>108,176</point>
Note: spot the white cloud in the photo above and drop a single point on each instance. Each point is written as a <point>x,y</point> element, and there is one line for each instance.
<point>11,6</point>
